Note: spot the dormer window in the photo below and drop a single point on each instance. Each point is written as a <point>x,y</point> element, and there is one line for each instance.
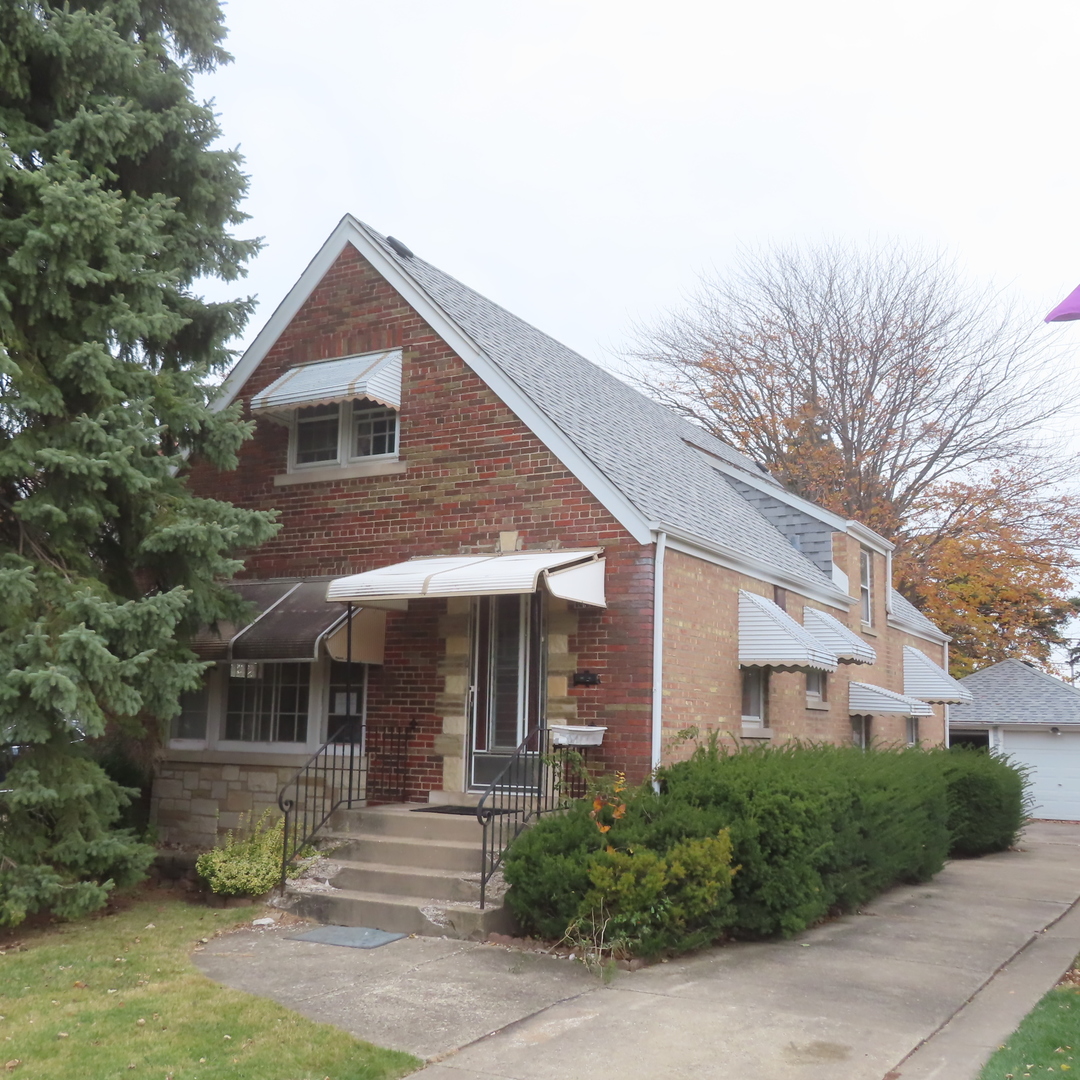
<point>343,433</point>
<point>342,415</point>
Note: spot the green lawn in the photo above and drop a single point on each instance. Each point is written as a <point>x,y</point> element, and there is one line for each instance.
<point>116,995</point>
<point>1047,1041</point>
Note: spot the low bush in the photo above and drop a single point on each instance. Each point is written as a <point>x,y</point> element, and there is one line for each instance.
<point>810,829</point>
<point>249,865</point>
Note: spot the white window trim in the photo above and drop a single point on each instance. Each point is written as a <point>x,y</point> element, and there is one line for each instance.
<point>344,459</point>
<point>759,720</point>
<point>217,703</point>
<point>866,588</point>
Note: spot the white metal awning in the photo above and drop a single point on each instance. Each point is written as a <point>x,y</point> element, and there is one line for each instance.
<point>923,679</point>
<point>375,376</point>
<point>572,575</point>
<point>866,698</point>
<point>844,643</point>
<point>770,637</point>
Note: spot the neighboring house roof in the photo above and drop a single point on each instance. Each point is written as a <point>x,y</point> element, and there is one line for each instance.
<point>653,470</point>
<point>1011,692</point>
<point>905,614</point>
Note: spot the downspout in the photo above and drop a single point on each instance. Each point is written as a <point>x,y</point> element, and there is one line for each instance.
<point>658,649</point>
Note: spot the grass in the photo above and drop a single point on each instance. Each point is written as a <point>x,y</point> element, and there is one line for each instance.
<point>1047,1040</point>
<point>116,995</point>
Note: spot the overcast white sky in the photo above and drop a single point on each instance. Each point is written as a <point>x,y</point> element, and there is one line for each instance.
<point>582,161</point>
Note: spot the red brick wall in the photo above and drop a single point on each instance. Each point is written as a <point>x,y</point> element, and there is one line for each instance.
<point>474,470</point>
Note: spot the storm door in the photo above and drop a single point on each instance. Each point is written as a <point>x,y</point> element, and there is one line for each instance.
<point>507,681</point>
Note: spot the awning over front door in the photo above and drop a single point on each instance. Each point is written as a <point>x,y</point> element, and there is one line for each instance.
<point>770,637</point>
<point>923,679</point>
<point>572,575</point>
<point>867,699</point>
<point>292,620</point>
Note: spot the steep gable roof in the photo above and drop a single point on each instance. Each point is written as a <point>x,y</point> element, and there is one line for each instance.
<point>1013,693</point>
<point>644,463</point>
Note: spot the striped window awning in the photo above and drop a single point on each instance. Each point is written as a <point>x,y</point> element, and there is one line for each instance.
<point>843,642</point>
<point>927,681</point>
<point>375,376</point>
<point>770,637</point>
<point>865,698</point>
<point>571,575</point>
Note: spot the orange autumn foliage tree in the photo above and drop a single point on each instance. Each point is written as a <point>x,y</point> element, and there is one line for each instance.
<point>879,385</point>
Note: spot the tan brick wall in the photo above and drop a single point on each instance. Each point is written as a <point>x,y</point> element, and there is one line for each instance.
<point>702,682</point>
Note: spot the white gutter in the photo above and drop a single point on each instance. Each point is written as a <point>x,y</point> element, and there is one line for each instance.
<point>658,650</point>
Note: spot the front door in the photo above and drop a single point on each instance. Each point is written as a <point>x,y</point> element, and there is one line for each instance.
<point>507,681</point>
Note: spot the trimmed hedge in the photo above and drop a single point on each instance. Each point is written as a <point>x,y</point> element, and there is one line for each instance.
<point>988,799</point>
<point>812,829</point>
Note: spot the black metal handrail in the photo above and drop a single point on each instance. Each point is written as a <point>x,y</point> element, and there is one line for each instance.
<point>536,780</point>
<point>343,771</point>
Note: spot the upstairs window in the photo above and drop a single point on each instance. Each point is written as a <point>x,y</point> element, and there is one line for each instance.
<point>866,569</point>
<point>344,433</point>
<point>317,434</point>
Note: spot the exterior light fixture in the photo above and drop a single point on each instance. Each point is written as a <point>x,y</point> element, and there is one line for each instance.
<point>1055,731</point>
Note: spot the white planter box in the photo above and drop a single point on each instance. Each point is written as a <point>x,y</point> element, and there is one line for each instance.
<point>576,735</point>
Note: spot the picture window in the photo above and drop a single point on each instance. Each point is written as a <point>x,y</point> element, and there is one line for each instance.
<point>267,703</point>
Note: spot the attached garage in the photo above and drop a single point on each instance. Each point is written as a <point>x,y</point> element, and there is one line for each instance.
<point>1033,717</point>
<point>1054,760</point>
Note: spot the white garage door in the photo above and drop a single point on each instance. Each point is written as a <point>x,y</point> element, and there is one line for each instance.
<point>1055,769</point>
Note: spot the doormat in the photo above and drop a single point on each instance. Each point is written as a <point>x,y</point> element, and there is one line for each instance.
<point>464,811</point>
<point>352,937</point>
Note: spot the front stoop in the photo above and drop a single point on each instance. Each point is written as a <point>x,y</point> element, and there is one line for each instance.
<point>405,872</point>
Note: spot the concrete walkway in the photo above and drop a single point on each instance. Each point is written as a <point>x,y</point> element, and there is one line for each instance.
<point>923,984</point>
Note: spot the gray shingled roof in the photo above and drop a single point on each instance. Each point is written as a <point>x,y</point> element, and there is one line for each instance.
<point>642,447</point>
<point>903,610</point>
<point>1013,693</point>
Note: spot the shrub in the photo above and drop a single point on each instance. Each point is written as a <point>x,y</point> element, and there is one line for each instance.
<point>643,903</point>
<point>987,798</point>
<point>811,828</point>
<point>548,869</point>
<point>248,866</point>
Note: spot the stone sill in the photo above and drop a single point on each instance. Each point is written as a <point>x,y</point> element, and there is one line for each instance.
<point>756,732</point>
<point>817,705</point>
<point>233,757</point>
<point>340,472</point>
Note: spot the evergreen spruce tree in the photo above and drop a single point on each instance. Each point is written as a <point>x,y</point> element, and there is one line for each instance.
<point>113,203</point>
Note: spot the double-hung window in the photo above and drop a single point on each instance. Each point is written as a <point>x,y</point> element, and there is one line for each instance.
<point>343,433</point>
<point>866,581</point>
<point>755,697</point>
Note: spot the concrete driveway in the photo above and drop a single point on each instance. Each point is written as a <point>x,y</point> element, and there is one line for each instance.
<point>924,983</point>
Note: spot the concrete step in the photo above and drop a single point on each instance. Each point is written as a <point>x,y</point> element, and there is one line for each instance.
<point>406,821</point>
<point>435,918</point>
<point>406,851</point>
<point>412,882</point>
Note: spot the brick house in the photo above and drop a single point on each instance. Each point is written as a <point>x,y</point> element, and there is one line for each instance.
<point>524,540</point>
